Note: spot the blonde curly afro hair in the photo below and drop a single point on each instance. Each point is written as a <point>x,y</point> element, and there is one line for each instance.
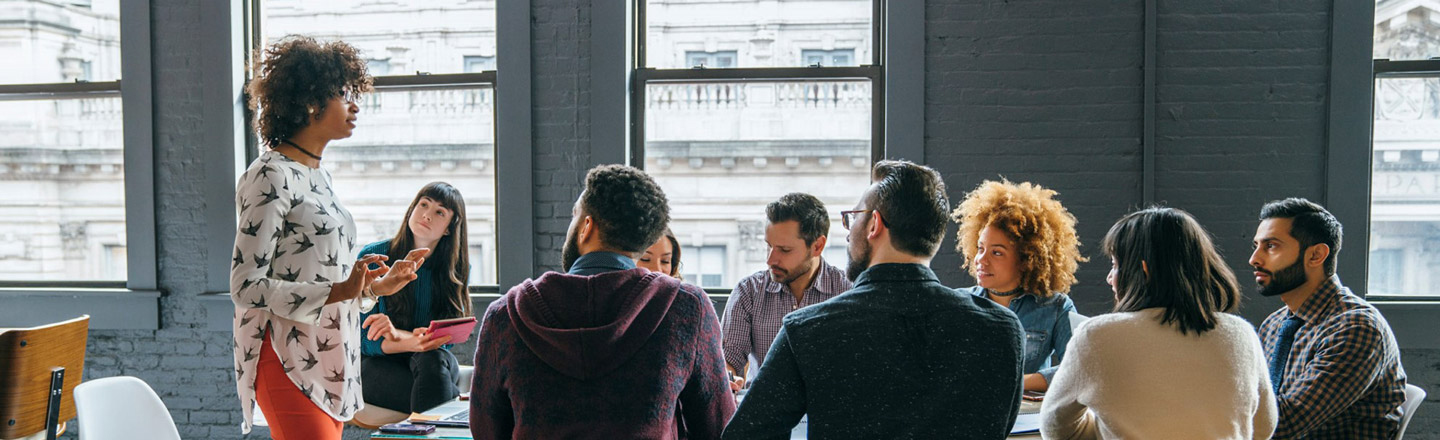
<point>1042,229</point>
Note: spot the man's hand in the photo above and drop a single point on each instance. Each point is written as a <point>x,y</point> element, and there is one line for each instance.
<point>737,382</point>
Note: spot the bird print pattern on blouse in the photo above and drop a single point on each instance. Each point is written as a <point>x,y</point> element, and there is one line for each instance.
<point>293,242</point>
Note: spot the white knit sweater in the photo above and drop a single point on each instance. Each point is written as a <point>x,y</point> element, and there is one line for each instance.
<point>1126,376</point>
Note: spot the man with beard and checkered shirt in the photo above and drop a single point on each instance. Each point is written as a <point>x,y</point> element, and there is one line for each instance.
<point>1333,358</point>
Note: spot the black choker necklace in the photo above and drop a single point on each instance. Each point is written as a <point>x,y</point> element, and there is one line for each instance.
<point>1003,294</point>
<point>297,147</point>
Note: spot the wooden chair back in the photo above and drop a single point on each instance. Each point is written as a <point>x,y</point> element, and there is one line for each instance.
<point>27,358</point>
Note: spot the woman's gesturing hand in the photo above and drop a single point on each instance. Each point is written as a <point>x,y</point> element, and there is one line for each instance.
<point>360,278</point>
<point>401,273</point>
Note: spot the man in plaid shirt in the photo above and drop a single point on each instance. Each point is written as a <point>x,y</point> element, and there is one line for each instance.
<point>796,231</point>
<point>1333,359</point>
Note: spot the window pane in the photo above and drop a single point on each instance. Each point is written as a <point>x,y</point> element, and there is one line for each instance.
<point>407,138</point>
<point>409,36</point>
<point>760,33</point>
<point>1405,204</point>
<point>63,214</point>
<point>703,266</point>
<point>1406,30</point>
<point>722,151</point>
<point>52,42</point>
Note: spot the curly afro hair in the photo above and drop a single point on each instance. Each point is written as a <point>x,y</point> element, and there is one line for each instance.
<point>628,206</point>
<point>1042,229</point>
<point>297,74</point>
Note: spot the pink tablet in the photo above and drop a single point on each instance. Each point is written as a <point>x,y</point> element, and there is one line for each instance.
<point>457,329</point>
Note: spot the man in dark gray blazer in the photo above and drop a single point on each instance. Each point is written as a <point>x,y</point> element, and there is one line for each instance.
<point>899,355</point>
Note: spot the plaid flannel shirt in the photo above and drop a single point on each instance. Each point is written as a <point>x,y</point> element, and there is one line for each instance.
<point>758,304</point>
<point>1343,379</point>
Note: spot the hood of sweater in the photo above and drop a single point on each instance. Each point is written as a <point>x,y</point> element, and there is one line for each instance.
<point>586,326</point>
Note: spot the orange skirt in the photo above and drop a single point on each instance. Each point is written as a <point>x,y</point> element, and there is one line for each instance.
<point>290,413</point>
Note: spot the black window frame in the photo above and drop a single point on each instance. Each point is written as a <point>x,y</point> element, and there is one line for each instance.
<point>644,75</point>
<point>1384,68</point>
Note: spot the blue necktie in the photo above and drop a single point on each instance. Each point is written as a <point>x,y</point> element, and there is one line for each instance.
<point>1282,350</point>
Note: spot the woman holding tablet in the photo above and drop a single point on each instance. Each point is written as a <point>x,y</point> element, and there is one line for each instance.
<point>404,369</point>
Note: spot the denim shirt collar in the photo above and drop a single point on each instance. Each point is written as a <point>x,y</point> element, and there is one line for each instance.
<point>595,263</point>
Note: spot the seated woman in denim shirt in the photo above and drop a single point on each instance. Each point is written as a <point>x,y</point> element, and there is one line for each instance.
<point>1020,245</point>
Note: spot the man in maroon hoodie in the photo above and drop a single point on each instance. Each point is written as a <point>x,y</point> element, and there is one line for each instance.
<point>605,350</point>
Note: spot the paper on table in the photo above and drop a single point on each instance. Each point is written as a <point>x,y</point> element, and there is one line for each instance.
<point>1026,424</point>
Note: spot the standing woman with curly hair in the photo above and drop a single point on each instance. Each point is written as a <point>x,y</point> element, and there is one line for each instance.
<point>1020,245</point>
<point>296,286</point>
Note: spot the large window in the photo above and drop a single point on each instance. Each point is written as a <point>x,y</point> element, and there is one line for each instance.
<point>62,170</point>
<point>1405,200</point>
<point>744,101</point>
<point>432,117</point>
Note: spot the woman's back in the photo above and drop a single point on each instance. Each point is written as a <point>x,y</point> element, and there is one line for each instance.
<point>1143,379</point>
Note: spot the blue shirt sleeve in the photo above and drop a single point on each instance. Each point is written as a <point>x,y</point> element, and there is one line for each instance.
<point>1062,333</point>
<point>367,346</point>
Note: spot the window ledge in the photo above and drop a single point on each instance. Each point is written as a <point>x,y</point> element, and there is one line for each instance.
<point>109,308</point>
<point>220,311</point>
<point>1412,321</point>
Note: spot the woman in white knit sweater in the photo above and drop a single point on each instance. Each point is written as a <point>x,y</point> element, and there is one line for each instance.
<point>1171,363</point>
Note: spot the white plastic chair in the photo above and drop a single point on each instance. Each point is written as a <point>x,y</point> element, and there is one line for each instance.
<point>1076,319</point>
<point>1413,397</point>
<point>119,408</point>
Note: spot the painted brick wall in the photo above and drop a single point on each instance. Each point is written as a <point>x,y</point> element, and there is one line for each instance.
<point>1240,116</point>
<point>561,50</point>
<point>1044,91</point>
<point>1048,92</point>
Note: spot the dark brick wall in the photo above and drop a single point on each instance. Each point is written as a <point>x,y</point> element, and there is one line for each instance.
<point>1043,91</point>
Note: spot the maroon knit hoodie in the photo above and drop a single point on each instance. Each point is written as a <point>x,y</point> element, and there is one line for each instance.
<point>625,354</point>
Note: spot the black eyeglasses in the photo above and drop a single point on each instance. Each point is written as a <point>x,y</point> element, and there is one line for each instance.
<point>847,217</point>
<point>350,96</point>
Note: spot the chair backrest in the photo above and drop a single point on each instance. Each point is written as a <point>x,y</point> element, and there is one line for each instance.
<point>1413,397</point>
<point>27,358</point>
<point>1076,319</point>
<point>122,407</point>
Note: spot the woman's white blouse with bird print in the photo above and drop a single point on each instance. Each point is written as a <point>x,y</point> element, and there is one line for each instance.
<point>294,241</point>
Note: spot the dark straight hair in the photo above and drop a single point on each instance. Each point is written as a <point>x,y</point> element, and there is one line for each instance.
<point>912,202</point>
<point>1310,224</point>
<point>450,258</point>
<point>1181,270</point>
<point>674,255</point>
<point>804,209</point>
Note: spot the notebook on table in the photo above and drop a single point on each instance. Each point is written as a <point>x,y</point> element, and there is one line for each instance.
<point>455,414</point>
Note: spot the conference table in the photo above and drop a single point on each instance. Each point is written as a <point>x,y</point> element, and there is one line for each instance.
<point>1029,412</point>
